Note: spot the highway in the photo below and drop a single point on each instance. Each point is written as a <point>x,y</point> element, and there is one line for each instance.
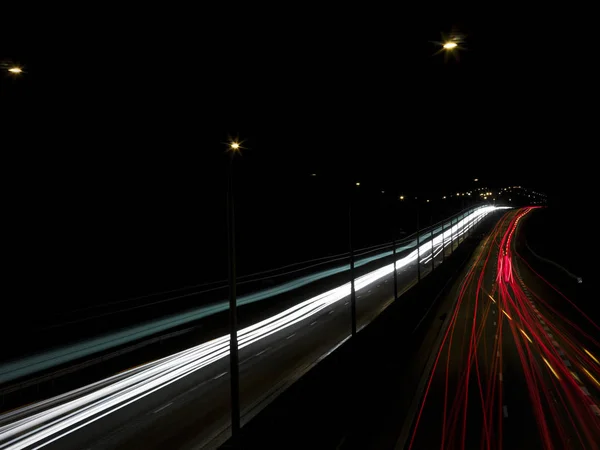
<point>182,401</point>
<point>517,366</point>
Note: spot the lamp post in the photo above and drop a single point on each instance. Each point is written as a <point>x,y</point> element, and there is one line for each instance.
<point>394,225</point>
<point>234,147</point>
<point>443,243</point>
<point>432,250</point>
<point>351,245</point>
<point>418,245</point>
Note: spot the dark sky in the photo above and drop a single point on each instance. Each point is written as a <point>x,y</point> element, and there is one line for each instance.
<point>113,139</point>
<point>325,87</point>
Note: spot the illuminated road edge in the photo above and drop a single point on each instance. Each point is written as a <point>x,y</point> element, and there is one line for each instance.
<point>42,428</point>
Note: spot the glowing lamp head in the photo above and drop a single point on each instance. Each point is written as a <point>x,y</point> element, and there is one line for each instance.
<point>15,70</point>
<point>450,45</point>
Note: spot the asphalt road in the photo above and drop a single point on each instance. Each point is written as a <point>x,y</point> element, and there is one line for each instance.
<point>175,404</point>
<point>510,372</point>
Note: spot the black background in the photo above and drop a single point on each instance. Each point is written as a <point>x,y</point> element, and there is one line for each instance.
<point>114,139</point>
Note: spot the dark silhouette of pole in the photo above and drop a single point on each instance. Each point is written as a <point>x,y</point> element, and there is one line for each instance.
<point>418,249</point>
<point>351,245</point>
<point>443,242</point>
<point>452,234</point>
<point>432,252</point>
<point>233,327</point>
<point>394,224</point>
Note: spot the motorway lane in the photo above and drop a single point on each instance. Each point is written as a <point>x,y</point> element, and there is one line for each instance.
<point>203,397</point>
<point>446,390</point>
<point>512,392</point>
<point>102,329</point>
<point>194,409</point>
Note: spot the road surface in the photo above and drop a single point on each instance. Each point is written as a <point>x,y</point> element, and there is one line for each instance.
<point>512,370</point>
<point>182,401</point>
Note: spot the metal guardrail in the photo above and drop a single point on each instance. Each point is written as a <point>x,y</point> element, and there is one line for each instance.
<point>90,362</point>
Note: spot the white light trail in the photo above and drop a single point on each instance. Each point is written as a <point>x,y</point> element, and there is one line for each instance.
<point>41,428</point>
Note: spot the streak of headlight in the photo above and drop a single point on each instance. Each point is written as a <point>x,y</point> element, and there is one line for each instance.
<point>551,368</point>
<point>492,298</point>
<point>591,356</point>
<point>50,425</point>
<point>591,376</point>
<point>525,334</point>
<point>506,314</point>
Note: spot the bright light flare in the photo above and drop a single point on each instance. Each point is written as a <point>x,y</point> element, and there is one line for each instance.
<point>450,45</point>
<point>15,69</point>
<point>506,314</point>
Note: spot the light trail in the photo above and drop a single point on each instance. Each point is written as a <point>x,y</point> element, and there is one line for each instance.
<point>565,412</point>
<point>49,425</point>
<point>36,363</point>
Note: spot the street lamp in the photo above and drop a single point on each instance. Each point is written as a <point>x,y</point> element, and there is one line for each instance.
<point>15,69</point>
<point>450,45</point>
<point>234,147</point>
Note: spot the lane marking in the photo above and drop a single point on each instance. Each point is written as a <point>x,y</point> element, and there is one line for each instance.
<point>291,336</point>
<point>313,323</point>
<point>584,390</point>
<point>330,312</point>
<point>260,353</point>
<point>505,411</point>
<point>500,376</point>
<point>161,408</point>
<point>220,375</point>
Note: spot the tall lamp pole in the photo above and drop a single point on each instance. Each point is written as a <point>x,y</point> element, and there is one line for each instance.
<point>234,147</point>
<point>418,245</point>
<point>351,245</point>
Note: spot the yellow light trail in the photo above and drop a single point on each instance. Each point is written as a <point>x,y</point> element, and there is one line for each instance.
<point>525,334</point>
<point>492,298</point>
<point>551,368</point>
<point>591,356</point>
<point>591,376</point>
<point>506,314</point>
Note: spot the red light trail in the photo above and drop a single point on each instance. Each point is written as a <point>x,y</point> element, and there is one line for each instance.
<point>502,327</point>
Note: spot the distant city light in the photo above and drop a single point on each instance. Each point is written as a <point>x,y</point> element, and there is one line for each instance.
<point>313,174</point>
<point>476,179</point>
<point>358,183</point>
<point>402,197</point>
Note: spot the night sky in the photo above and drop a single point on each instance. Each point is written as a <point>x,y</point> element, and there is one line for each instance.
<point>114,138</point>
